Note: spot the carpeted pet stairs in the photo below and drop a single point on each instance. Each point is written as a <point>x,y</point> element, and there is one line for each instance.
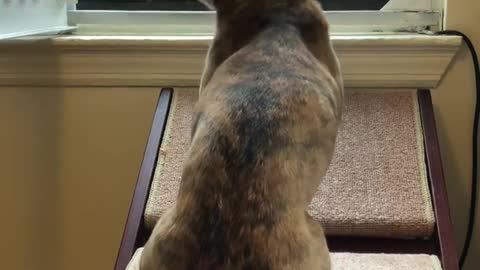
<point>350,261</point>
<point>376,185</point>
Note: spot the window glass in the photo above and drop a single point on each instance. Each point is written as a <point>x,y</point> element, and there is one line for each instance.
<point>195,5</point>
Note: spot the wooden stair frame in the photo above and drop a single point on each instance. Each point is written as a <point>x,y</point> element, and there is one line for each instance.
<point>441,244</point>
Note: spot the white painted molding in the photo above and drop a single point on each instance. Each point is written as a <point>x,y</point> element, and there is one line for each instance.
<point>42,31</point>
<point>414,5</point>
<point>410,5</point>
<point>396,61</point>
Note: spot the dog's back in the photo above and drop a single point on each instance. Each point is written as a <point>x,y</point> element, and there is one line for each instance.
<point>264,133</point>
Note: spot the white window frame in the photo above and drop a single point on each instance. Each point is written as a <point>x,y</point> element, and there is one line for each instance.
<point>21,18</point>
<point>396,17</point>
<point>201,23</point>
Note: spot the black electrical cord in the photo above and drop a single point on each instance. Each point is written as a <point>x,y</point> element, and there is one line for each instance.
<point>473,198</point>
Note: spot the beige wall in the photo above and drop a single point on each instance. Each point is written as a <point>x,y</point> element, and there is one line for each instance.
<point>454,103</point>
<point>69,160</point>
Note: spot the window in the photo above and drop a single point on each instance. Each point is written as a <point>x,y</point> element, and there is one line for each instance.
<point>190,18</point>
<point>195,5</point>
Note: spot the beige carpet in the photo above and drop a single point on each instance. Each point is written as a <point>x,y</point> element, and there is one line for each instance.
<point>351,261</point>
<point>376,185</point>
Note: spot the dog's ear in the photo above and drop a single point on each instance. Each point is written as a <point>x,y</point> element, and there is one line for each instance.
<point>210,4</point>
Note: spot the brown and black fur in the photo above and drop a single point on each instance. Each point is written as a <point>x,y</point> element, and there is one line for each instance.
<point>263,136</point>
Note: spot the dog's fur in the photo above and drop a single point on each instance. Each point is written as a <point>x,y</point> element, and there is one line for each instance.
<point>264,133</point>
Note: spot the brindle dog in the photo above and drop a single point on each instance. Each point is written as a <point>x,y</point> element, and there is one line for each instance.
<point>264,133</point>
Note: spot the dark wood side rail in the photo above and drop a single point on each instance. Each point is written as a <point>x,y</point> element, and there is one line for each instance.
<point>134,224</point>
<point>444,229</point>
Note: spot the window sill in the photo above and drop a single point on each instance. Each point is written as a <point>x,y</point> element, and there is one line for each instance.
<point>368,60</point>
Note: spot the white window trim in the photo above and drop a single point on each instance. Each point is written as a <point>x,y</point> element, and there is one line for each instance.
<point>41,31</point>
<point>50,16</point>
<point>203,22</point>
<point>395,16</point>
<point>368,61</point>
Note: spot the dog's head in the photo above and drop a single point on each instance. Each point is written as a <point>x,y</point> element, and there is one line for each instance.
<point>239,20</point>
